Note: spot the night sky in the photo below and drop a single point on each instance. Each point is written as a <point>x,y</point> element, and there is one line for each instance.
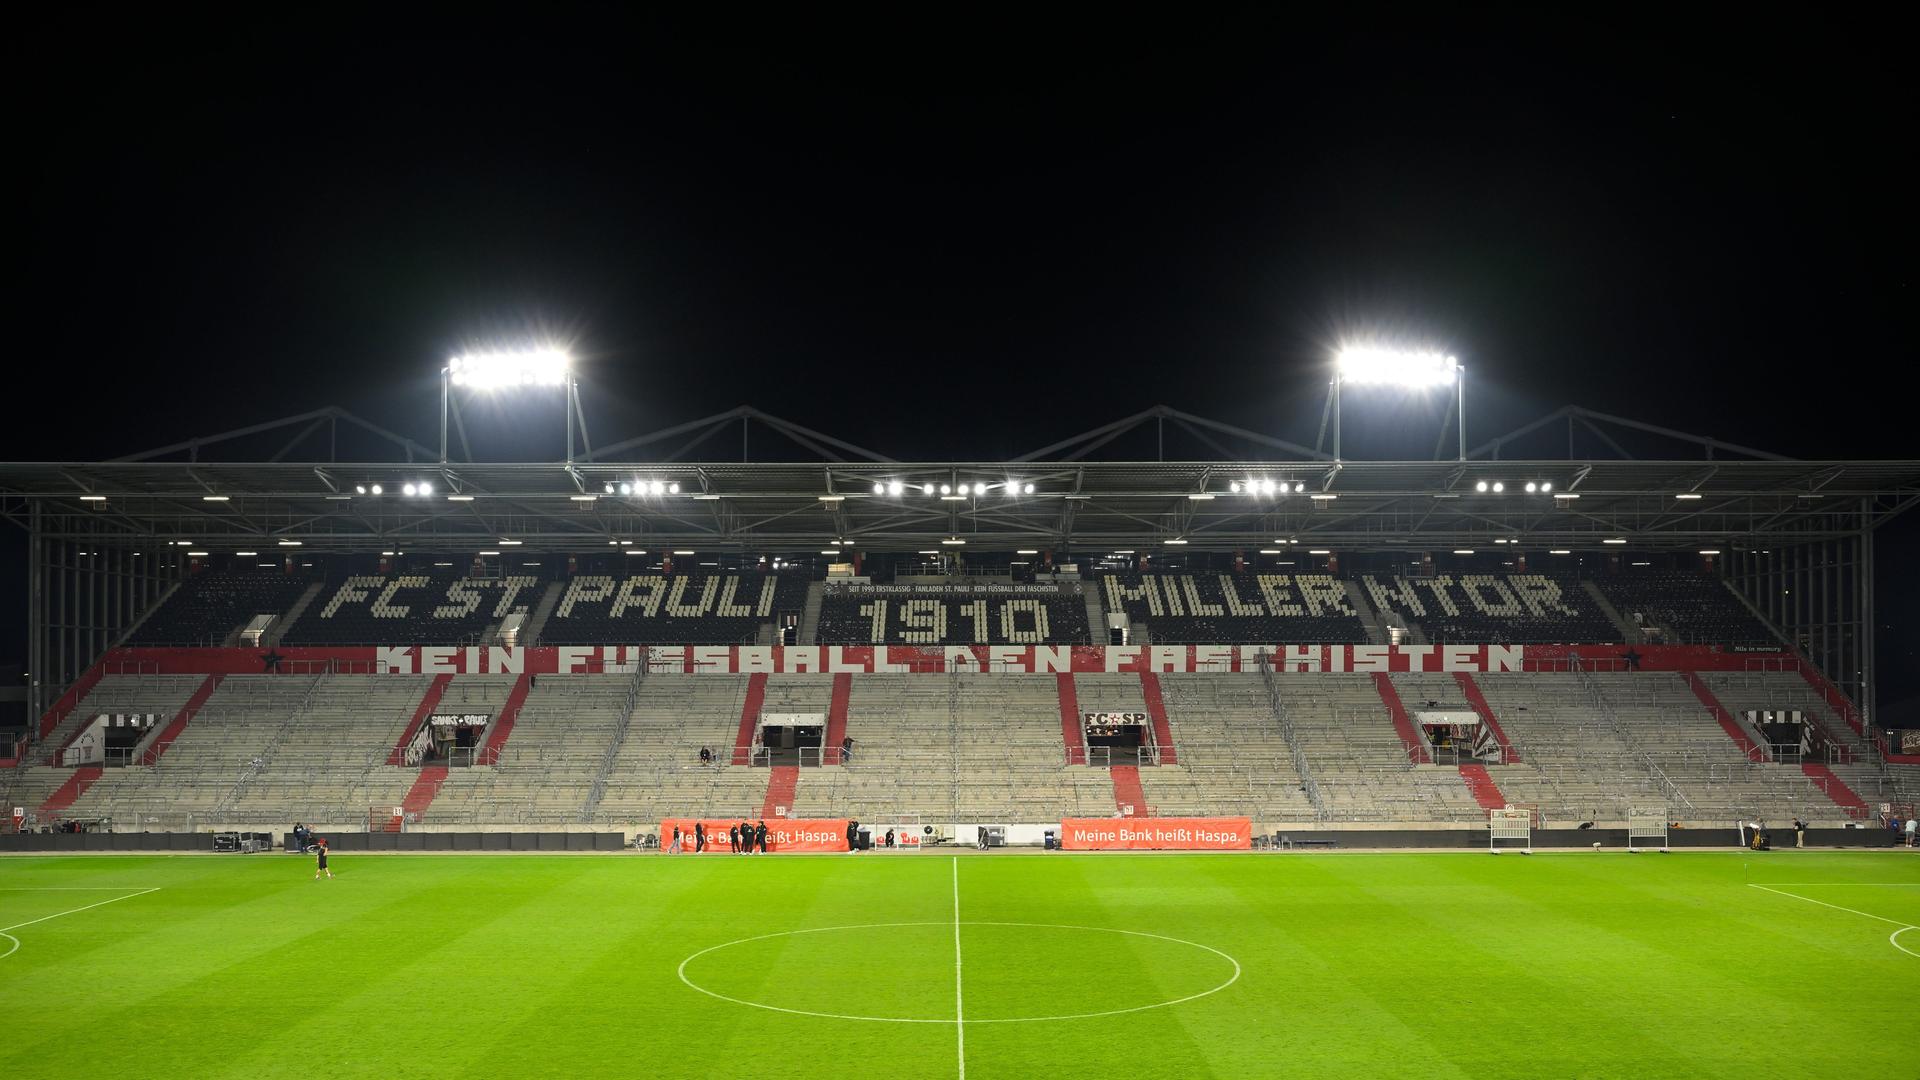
<point>970,236</point>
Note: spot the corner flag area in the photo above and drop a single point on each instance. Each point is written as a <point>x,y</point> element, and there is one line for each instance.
<point>1705,964</point>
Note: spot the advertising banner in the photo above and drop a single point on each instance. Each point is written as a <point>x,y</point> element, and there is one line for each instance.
<point>1156,834</point>
<point>783,834</point>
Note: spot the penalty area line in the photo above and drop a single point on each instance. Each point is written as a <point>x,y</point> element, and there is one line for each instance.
<point>1893,939</point>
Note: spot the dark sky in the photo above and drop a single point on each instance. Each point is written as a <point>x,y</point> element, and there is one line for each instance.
<point>970,235</point>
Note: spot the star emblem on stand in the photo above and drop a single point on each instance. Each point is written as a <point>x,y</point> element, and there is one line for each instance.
<point>1633,658</point>
<point>271,660</point>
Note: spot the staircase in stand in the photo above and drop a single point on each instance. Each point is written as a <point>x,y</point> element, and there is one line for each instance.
<point>750,707</point>
<point>1072,735</point>
<point>1753,750</point>
<point>837,718</point>
<point>542,611</point>
<point>1508,754</point>
<point>1481,786</point>
<point>810,612</point>
<point>782,782</point>
<point>173,729</point>
<point>420,796</point>
<point>271,639</point>
<point>1410,736</point>
<point>1157,712</point>
<point>76,786</point>
<point>1629,633</point>
<point>1843,796</point>
<point>1128,796</point>
<point>502,727</point>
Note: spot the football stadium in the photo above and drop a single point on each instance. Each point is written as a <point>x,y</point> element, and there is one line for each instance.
<point>579,544</point>
<point>525,708</point>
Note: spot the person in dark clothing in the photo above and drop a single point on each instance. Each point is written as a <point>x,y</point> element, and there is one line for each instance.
<point>853,830</point>
<point>699,837</point>
<point>746,837</point>
<point>1799,833</point>
<point>760,836</point>
<point>320,867</point>
<point>733,839</point>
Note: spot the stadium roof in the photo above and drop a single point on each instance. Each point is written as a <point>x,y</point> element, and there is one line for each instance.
<point>180,492</point>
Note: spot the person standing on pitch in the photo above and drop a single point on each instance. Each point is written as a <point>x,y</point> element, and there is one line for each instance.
<point>674,848</point>
<point>760,835</point>
<point>320,867</point>
<point>853,829</point>
<point>733,838</point>
<point>699,837</point>
<point>1799,833</point>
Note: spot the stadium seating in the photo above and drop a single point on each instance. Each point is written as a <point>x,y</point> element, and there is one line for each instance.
<point>411,609</point>
<point>1493,609</point>
<point>208,607</point>
<point>849,617</point>
<point>1682,607</point>
<point>1220,608</point>
<point>677,609</point>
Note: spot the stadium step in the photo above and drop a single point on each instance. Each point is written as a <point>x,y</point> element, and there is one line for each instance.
<point>1128,795</point>
<point>179,723</point>
<point>76,786</point>
<point>420,795</point>
<point>1157,712</point>
<point>1508,755</point>
<point>501,729</point>
<point>542,611</point>
<point>70,701</point>
<point>1072,736</point>
<point>1837,701</point>
<point>782,782</point>
<point>810,611</point>
<point>271,639</point>
<point>1481,786</point>
<point>1369,618</point>
<point>837,717</point>
<point>749,718</point>
<point>1402,723</point>
<point>1843,796</point>
<point>428,702</point>
<point>1724,718</point>
<point>1629,633</point>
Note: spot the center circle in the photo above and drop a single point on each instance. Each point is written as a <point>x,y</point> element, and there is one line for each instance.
<point>1010,972</point>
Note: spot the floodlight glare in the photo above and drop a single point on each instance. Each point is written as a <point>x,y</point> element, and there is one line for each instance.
<point>1498,487</point>
<point>1546,486</point>
<point>946,489</point>
<point>1481,486</point>
<point>1532,487</point>
<point>895,488</point>
<point>879,488</point>
<point>926,489</point>
<point>377,489</point>
<point>359,489</point>
<point>493,371</point>
<point>410,489</point>
<point>673,488</point>
<point>1029,489</point>
<point>963,489</point>
<point>658,487</point>
<point>1234,487</point>
<point>1394,367</point>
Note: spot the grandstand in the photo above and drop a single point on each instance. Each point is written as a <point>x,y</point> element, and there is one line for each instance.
<point>632,661</point>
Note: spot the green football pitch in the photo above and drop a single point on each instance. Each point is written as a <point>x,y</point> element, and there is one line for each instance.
<point>1582,964</point>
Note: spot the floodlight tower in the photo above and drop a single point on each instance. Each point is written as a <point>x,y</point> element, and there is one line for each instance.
<point>541,367</point>
<point>1414,370</point>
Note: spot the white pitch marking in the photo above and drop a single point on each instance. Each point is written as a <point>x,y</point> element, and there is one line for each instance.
<point>57,914</point>
<point>1234,978</point>
<point>959,999</point>
<point>1893,939</point>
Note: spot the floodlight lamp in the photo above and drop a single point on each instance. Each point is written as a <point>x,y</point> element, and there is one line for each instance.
<point>1481,486</point>
<point>1547,486</point>
<point>673,488</point>
<point>895,488</point>
<point>410,489</point>
<point>946,489</point>
<point>1498,487</point>
<point>658,488</point>
<point>1234,487</point>
<point>1299,486</point>
<point>625,489</point>
<point>1396,367</point>
<point>926,489</point>
<point>426,489</point>
<point>963,489</point>
<point>1028,489</point>
<point>359,489</point>
<point>879,488</point>
<point>377,489</point>
<point>493,371</point>
<point>1532,487</point>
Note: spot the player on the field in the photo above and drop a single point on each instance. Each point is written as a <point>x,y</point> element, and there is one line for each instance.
<point>320,866</point>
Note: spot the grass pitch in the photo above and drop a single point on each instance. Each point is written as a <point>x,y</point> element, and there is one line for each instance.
<point>1323,966</point>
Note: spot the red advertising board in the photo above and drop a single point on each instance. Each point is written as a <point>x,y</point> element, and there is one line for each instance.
<point>783,834</point>
<point>1156,834</point>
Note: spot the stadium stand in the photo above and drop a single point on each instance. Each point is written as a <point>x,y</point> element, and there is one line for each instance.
<point>1683,607</point>
<point>1493,609</point>
<point>210,607</point>
<point>971,618</point>
<point>411,609</point>
<point>1221,608</point>
<point>677,609</point>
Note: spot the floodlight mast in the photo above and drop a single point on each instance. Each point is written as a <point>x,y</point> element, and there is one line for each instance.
<point>506,370</point>
<point>1405,368</point>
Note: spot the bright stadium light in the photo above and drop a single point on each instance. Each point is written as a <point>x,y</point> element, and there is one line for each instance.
<point>538,367</point>
<point>1028,489</point>
<point>378,490</point>
<point>1410,369</point>
<point>493,371</point>
<point>879,488</point>
<point>895,488</point>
